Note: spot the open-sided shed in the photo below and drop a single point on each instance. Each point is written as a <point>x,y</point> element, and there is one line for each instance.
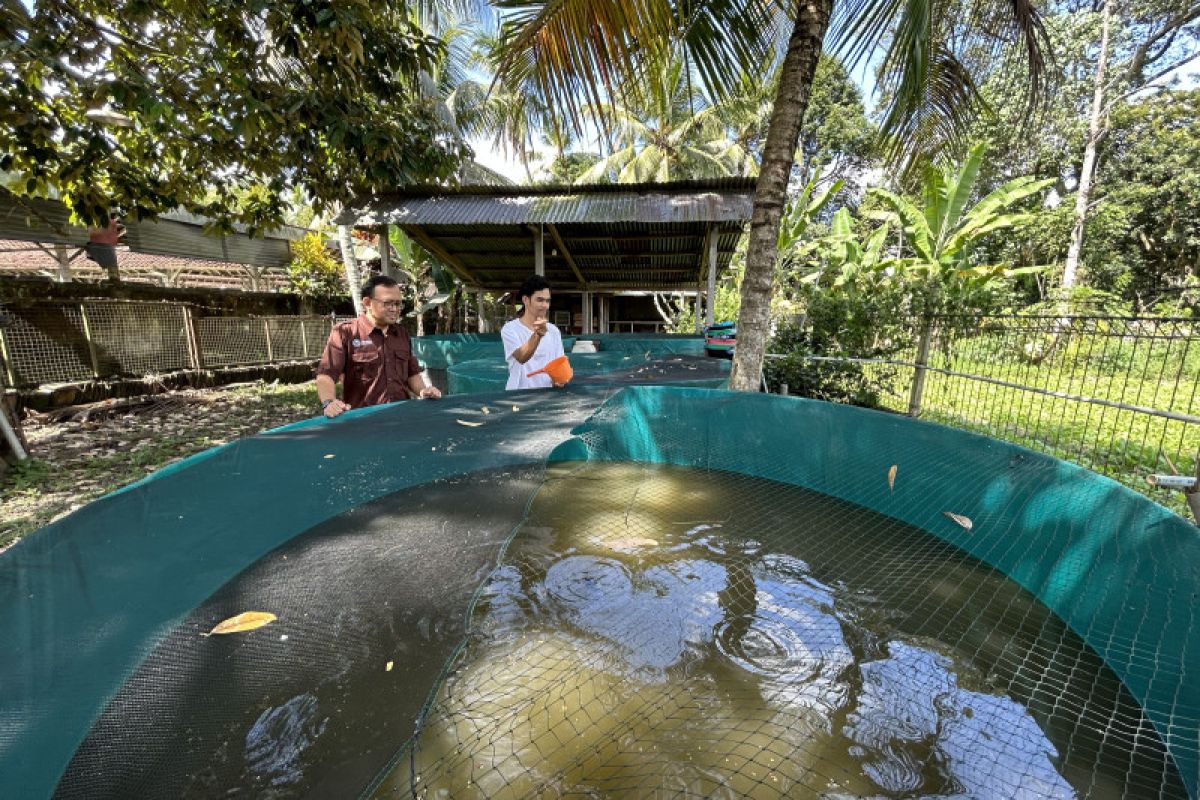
<point>598,238</point>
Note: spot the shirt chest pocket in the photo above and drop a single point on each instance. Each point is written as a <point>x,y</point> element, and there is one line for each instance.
<point>365,361</point>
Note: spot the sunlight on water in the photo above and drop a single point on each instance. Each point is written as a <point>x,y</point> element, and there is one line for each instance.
<point>662,632</point>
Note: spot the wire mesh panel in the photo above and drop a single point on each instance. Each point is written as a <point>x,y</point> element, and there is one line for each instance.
<point>231,341</point>
<point>46,344</point>
<point>1115,395</point>
<point>295,338</point>
<point>137,338</point>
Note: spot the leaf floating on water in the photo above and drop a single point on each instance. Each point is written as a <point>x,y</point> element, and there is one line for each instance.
<point>389,666</point>
<point>468,424</point>
<point>960,519</point>
<point>246,621</point>
<point>892,478</point>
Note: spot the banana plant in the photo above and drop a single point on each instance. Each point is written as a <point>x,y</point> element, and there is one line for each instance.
<point>851,265</point>
<point>942,231</point>
<point>795,243</point>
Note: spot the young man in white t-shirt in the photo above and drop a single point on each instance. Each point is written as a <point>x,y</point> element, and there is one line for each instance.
<point>530,342</point>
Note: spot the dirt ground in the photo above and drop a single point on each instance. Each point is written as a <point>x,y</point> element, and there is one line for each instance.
<point>108,445</point>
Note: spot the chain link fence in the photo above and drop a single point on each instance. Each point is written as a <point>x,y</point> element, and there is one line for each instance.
<point>64,343</point>
<point>1114,394</point>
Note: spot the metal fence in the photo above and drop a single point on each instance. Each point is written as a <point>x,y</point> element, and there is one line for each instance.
<point>68,342</point>
<point>1114,394</point>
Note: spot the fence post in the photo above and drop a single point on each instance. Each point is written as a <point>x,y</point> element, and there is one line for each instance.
<point>918,384</point>
<point>303,338</point>
<point>6,360</point>
<point>193,339</point>
<point>87,335</point>
<point>267,335</point>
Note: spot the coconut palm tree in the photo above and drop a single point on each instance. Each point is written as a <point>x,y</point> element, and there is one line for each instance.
<point>586,51</point>
<point>668,131</point>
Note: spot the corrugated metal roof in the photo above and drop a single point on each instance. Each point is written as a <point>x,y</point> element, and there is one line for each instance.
<point>607,236</point>
<point>716,201</point>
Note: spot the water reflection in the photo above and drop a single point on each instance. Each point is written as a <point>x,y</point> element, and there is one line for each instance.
<point>276,743</point>
<point>626,651</point>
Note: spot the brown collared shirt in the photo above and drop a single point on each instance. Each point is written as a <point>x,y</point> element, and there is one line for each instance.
<point>373,365</point>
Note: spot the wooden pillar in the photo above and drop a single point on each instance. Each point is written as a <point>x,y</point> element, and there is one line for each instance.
<point>64,263</point>
<point>711,303</point>
<point>699,319</point>
<point>483,327</point>
<point>385,252</point>
<point>587,312</point>
<point>539,251</point>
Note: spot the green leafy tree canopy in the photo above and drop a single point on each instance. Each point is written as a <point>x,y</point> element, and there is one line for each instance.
<point>153,106</point>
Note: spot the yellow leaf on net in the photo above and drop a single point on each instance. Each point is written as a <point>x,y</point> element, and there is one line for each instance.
<point>892,478</point>
<point>468,424</point>
<point>485,410</point>
<point>246,621</point>
<point>516,408</point>
<point>960,519</point>
<point>389,666</point>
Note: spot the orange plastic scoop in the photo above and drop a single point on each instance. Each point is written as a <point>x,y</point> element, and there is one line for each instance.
<point>559,370</point>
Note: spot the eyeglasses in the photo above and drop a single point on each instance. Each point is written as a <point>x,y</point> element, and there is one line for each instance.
<point>387,303</point>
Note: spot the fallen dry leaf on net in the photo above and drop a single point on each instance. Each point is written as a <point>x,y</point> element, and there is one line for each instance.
<point>468,424</point>
<point>960,519</point>
<point>892,478</point>
<point>246,621</point>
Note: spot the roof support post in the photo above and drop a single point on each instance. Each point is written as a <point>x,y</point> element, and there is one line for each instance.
<point>483,326</point>
<point>587,312</point>
<point>711,304</point>
<point>699,321</point>
<point>604,313</point>
<point>385,251</point>
<point>539,251</point>
<point>64,263</point>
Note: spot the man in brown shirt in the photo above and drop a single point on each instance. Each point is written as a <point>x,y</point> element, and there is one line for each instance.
<point>371,355</point>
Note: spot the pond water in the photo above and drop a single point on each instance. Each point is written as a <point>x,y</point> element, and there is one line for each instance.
<point>650,631</point>
<point>663,632</point>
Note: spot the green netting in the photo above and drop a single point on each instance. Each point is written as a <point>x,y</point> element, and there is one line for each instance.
<point>605,367</point>
<point>440,351</point>
<point>647,343</point>
<point>1123,572</point>
<point>407,552</point>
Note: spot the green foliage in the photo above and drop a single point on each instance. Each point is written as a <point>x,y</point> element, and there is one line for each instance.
<point>211,96</point>
<point>666,132</point>
<point>313,272</point>
<point>570,167</point>
<point>1151,188</point>
<point>940,233</point>
<point>837,140</point>
<point>839,324</point>
<point>725,309</point>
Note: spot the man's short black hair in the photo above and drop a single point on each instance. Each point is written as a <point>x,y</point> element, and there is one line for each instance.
<point>368,288</point>
<point>532,285</point>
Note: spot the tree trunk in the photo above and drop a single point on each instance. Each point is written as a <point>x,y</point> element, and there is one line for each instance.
<point>779,155</point>
<point>346,242</point>
<point>1087,172</point>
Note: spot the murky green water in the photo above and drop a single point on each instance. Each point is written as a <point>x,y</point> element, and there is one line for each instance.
<point>661,632</point>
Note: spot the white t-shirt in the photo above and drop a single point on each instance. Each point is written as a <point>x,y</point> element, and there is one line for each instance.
<point>515,335</point>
